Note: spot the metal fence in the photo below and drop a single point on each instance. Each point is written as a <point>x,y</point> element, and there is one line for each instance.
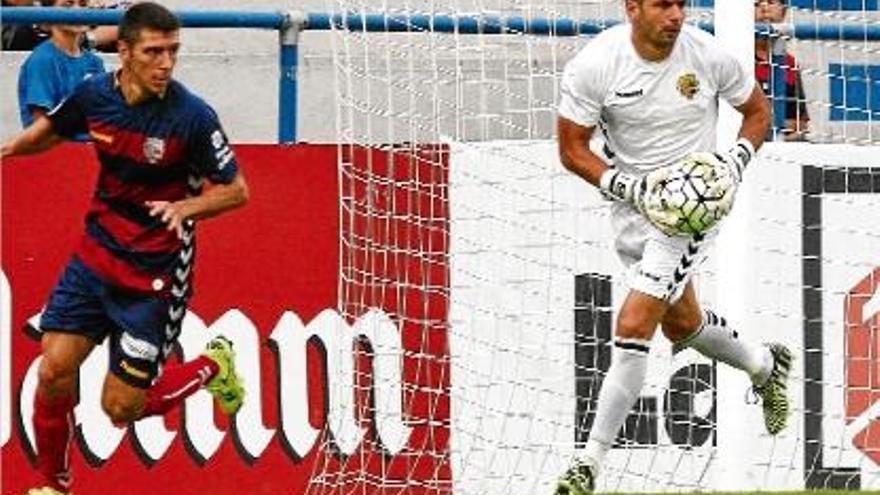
<point>291,23</point>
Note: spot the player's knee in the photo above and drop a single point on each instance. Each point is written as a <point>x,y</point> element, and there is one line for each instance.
<point>633,326</point>
<point>681,326</point>
<point>120,409</point>
<point>56,375</point>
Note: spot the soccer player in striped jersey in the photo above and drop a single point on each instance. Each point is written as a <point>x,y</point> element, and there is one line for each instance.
<point>130,277</point>
<point>652,87</point>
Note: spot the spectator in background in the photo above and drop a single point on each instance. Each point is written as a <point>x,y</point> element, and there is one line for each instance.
<point>22,38</point>
<point>797,120</point>
<point>55,68</point>
<point>103,38</point>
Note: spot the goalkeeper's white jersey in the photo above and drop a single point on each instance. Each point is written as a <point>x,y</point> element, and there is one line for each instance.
<point>652,113</point>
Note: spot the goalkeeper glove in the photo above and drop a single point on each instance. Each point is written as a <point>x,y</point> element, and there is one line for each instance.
<point>643,193</point>
<point>736,159</point>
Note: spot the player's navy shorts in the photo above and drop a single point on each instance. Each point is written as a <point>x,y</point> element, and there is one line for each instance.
<point>83,304</point>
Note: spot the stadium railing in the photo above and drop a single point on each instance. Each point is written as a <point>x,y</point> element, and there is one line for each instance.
<point>291,23</point>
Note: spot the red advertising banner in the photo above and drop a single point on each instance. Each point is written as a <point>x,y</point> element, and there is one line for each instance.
<point>323,260</point>
<point>863,365</point>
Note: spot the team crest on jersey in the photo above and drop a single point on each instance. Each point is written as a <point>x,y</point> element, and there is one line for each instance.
<point>154,150</point>
<point>688,85</point>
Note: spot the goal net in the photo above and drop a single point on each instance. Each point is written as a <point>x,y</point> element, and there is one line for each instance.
<point>498,268</point>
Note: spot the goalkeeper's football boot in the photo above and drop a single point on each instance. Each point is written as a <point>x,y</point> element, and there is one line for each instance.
<point>46,490</point>
<point>226,387</point>
<point>774,392</point>
<point>580,479</point>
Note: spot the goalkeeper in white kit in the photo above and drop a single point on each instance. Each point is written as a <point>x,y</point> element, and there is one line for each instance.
<point>652,86</point>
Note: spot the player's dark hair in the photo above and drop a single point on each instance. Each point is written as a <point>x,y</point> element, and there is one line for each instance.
<point>146,15</point>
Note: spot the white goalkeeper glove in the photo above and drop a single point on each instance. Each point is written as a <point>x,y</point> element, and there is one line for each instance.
<point>643,193</point>
<point>736,158</point>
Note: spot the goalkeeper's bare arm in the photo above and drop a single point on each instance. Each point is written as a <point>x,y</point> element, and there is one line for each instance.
<point>575,153</point>
<point>756,119</point>
<point>642,192</point>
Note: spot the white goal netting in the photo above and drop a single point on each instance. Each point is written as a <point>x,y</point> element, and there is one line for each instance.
<point>497,265</point>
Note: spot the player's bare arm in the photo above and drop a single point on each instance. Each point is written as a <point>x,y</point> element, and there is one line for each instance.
<point>38,137</point>
<point>575,153</point>
<point>640,192</point>
<point>216,199</point>
<point>756,123</point>
<point>37,112</point>
<point>756,117</point>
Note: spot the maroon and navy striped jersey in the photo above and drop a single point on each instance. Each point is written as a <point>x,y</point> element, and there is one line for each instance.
<point>158,150</point>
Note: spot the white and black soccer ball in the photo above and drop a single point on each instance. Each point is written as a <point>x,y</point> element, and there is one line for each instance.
<point>699,191</point>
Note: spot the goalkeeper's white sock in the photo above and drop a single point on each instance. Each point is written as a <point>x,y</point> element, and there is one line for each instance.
<point>716,340</point>
<point>620,389</point>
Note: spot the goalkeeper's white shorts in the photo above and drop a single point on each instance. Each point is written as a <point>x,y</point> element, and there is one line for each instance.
<point>658,265</point>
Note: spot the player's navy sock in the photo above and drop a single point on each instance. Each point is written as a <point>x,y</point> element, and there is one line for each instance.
<point>53,432</point>
<point>716,340</point>
<point>620,389</point>
<point>177,383</point>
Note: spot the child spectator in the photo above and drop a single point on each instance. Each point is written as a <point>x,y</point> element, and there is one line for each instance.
<point>55,68</point>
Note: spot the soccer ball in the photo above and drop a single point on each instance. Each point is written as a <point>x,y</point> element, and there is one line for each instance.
<point>699,192</point>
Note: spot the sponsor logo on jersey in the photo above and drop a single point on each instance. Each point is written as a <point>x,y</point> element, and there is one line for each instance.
<point>629,94</point>
<point>154,150</point>
<point>688,85</point>
<point>222,152</point>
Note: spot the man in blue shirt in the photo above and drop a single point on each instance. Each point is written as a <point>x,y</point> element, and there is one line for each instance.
<point>54,68</point>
